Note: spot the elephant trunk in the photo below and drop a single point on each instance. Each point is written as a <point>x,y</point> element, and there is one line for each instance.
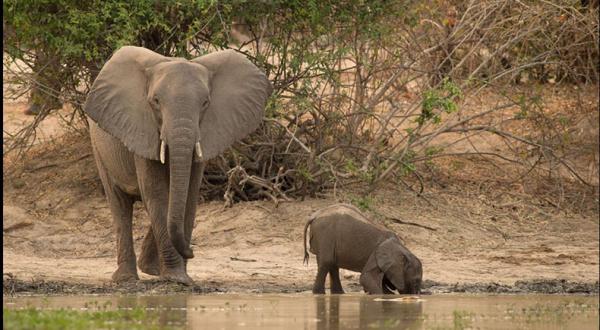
<point>181,152</point>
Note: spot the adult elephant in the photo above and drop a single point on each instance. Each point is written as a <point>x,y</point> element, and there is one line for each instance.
<point>154,121</point>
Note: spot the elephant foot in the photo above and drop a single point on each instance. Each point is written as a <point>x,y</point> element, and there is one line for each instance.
<point>148,260</point>
<point>125,274</point>
<point>318,290</point>
<point>337,291</point>
<point>150,267</point>
<point>178,277</point>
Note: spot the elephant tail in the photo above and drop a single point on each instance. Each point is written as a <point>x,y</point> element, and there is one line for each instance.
<point>306,256</point>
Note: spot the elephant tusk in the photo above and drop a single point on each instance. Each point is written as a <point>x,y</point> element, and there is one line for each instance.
<point>162,151</point>
<point>198,150</point>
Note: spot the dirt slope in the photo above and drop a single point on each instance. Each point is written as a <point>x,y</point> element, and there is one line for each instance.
<point>57,230</point>
<point>252,245</point>
<point>57,227</point>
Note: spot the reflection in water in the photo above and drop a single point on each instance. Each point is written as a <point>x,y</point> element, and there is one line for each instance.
<point>172,310</point>
<point>328,316</point>
<point>371,313</point>
<point>350,311</point>
<point>390,314</point>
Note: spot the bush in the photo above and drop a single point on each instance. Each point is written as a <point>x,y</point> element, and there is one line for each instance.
<point>341,72</point>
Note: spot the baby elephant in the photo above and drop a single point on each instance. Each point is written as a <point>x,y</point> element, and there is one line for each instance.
<point>341,237</point>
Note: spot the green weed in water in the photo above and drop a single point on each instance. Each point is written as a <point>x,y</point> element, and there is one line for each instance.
<point>462,319</point>
<point>555,314</point>
<point>389,323</point>
<point>32,318</point>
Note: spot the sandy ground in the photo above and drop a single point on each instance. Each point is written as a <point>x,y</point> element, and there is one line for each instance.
<point>57,227</point>
<point>253,244</point>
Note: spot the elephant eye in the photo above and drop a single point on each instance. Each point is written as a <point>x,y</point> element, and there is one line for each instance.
<point>205,103</point>
<point>154,101</point>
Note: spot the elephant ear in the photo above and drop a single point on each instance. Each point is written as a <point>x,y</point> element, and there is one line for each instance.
<point>380,262</point>
<point>386,256</point>
<point>371,276</point>
<point>238,94</point>
<point>118,101</point>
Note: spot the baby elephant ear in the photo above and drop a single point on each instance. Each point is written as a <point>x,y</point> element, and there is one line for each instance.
<point>118,100</point>
<point>371,277</point>
<point>385,254</point>
<point>238,94</point>
<point>390,260</point>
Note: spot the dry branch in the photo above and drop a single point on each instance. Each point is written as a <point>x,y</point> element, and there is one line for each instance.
<point>370,106</point>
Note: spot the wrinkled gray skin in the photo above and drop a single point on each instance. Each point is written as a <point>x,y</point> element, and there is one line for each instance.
<point>341,237</point>
<point>154,121</point>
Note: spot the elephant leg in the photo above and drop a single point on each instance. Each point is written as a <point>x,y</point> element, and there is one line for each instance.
<point>148,260</point>
<point>334,278</point>
<point>153,180</point>
<point>319,286</point>
<point>325,262</point>
<point>121,207</point>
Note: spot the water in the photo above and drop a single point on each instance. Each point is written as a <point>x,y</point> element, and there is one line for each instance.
<point>351,311</point>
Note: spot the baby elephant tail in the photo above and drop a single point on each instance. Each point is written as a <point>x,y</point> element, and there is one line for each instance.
<point>306,256</point>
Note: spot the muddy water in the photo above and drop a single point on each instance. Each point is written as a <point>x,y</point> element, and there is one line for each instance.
<point>351,311</point>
